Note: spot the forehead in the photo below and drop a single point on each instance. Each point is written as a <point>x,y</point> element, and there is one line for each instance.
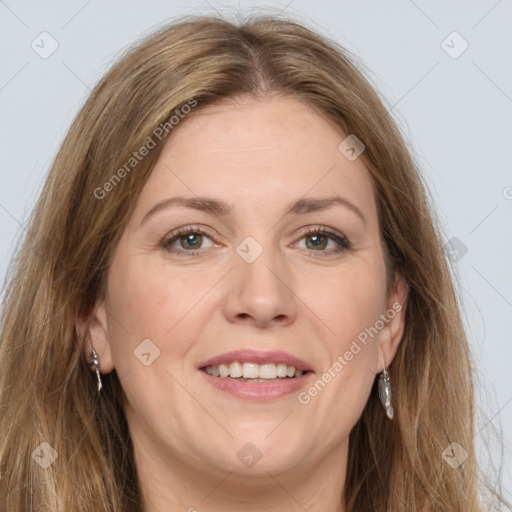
<point>276,151</point>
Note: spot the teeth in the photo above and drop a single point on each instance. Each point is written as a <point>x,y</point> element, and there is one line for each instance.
<point>236,370</point>
<point>253,371</point>
<point>268,371</point>
<point>223,370</point>
<point>281,370</point>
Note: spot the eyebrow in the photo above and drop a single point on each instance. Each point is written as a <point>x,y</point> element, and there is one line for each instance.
<point>220,208</point>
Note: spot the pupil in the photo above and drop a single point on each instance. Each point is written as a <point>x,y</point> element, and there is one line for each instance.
<point>317,241</point>
<point>189,239</point>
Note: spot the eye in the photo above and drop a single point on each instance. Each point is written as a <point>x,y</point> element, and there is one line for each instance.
<point>317,240</point>
<point>187,239</point>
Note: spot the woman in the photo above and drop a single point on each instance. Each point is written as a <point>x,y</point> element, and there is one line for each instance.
<point>233,296</point>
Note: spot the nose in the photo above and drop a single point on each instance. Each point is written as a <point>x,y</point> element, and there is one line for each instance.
<point>261,292</point>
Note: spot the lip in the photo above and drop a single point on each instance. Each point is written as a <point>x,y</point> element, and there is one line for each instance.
<point>258,391</point>
<point>255,356</point>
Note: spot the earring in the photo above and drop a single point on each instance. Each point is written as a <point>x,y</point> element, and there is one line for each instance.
<point>385,392</point>
<point>94,363</point>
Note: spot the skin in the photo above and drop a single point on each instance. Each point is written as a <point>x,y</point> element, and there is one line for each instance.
<point>258,156</point>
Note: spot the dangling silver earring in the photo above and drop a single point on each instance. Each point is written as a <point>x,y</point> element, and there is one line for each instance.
<point>94,363</point>
<point>385,392</point>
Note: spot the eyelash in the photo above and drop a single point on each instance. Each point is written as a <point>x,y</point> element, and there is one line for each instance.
<point>343,242</point>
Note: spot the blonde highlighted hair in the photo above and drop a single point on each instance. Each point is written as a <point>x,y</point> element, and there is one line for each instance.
<point>47,392</point>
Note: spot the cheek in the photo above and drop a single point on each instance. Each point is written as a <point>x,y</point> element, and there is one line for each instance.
<point>349,306</point>
<point>147,301</point>
<point>351,301</point>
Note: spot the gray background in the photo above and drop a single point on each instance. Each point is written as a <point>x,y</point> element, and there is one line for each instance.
<point>455,111</point>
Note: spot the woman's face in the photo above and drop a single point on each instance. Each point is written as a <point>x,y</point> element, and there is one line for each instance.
<point>247,276</point>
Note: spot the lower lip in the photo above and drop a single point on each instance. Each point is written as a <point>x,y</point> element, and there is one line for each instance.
<point>258,390</point>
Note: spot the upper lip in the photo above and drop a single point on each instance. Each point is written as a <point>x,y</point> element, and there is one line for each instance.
<point>254,356</point>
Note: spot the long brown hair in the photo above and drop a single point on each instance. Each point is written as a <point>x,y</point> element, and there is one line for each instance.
<point>47,392</point>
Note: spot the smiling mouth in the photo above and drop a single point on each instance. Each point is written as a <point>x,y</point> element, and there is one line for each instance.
<point>253,372</point>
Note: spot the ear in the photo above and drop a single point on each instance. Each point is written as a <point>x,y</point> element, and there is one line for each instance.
<point>394,320</point>
<point>94,332</point>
